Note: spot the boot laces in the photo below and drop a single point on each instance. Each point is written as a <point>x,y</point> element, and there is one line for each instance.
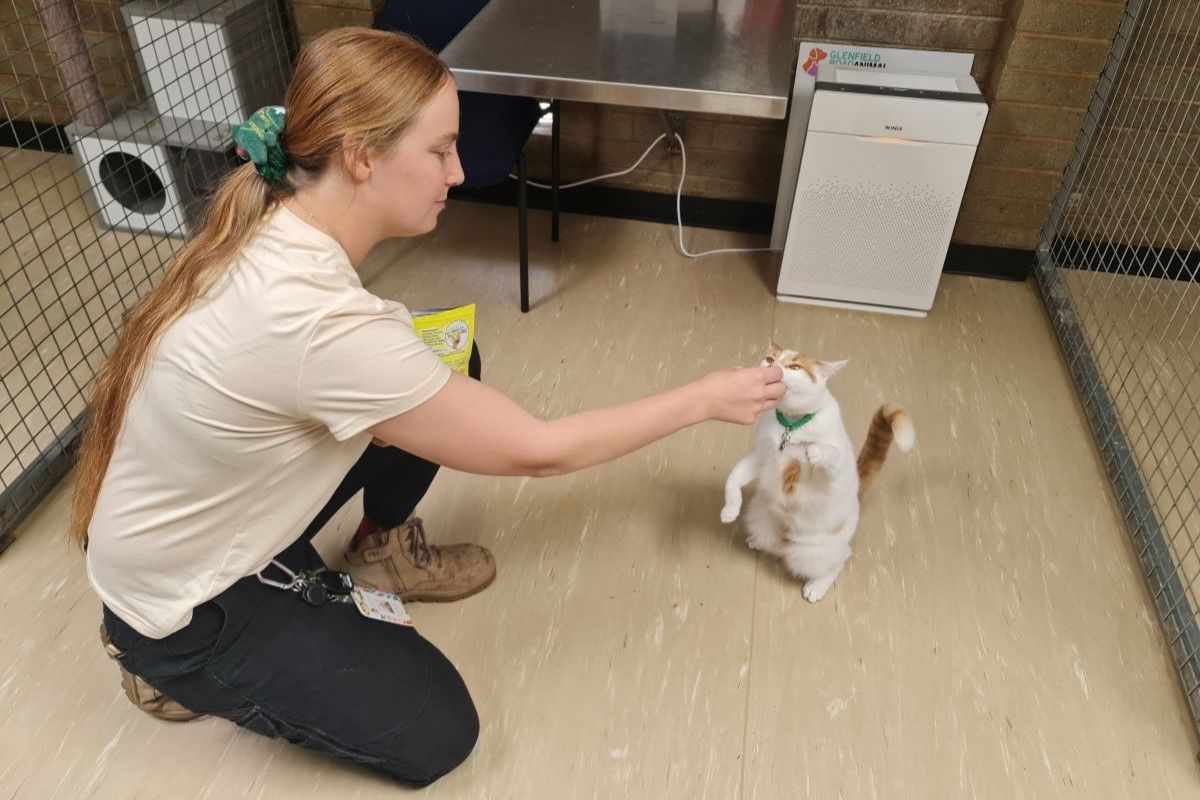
<point>422,552</point>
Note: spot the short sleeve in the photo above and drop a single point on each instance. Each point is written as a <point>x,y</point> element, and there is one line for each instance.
<point>363,366</point>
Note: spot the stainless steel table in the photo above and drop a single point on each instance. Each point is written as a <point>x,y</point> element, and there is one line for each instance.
<point>717,56</point>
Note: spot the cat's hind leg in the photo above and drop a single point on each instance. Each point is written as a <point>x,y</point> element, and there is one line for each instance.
<point>814,590</point>
<point>764,532</point>
<point>818,570</point>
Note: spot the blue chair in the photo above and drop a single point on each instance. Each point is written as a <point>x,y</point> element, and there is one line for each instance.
<point>493,129</point>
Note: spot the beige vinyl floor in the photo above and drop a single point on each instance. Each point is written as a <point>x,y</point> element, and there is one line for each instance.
<point>991,637</point>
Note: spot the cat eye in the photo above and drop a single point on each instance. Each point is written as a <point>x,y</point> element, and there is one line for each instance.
<point>770,360</point>
<point>793,366</point>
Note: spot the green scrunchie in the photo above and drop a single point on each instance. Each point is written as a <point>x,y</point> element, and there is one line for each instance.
<point>258,140</point>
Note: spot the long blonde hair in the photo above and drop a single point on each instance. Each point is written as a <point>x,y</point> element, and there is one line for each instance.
<point>350,85</point>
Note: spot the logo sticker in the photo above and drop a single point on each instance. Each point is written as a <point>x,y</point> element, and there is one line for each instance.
<point>815,57</point>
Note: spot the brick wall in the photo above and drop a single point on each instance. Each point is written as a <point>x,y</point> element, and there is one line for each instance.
<point>1043,74</point>
<point>315,18</point>
<point>30,88</point>
<point>1139,182</point>
<point>738,158</point>
<point>1037,62</point>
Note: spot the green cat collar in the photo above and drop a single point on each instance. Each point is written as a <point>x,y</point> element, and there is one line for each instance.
<point>790,426</point>
<point>258,139</point>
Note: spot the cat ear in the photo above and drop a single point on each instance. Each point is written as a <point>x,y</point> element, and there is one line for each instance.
<point>775,348</point>
<point>827,369</point>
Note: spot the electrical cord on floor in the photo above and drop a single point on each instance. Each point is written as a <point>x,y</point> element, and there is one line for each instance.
<point>678,197</point>
<point>679,215</point>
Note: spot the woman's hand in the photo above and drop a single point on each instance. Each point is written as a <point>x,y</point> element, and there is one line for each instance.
<point>740,394</point>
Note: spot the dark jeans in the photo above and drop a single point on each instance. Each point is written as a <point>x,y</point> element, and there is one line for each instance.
<point>323,677</point>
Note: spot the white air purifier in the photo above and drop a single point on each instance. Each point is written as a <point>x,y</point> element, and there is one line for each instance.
<point>885,163</point>
<point>215,61</point>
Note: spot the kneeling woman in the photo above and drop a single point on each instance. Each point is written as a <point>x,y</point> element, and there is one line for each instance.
<point>259,386</point>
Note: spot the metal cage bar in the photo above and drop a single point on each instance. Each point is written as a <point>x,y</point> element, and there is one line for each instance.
<point>1117,267</point>
<point>114,131</point>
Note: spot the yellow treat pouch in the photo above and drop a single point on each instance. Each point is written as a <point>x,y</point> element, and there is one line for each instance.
<point>449,333</point>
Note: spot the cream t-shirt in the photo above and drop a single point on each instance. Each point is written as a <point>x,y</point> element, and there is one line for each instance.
<point>253,407</point>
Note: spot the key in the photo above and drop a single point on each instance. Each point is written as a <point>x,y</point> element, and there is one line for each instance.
<point>336,582</point>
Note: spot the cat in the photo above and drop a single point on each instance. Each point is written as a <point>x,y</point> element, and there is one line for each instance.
<point>805,509</point>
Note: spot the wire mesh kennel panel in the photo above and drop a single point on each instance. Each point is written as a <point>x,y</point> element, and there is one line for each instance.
<point>115,132</point>
<point>1117,267</point>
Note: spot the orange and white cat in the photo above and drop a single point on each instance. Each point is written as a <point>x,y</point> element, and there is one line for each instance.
<point>805,509</point>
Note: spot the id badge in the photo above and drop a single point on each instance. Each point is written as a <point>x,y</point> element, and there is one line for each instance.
<point>382,606</point>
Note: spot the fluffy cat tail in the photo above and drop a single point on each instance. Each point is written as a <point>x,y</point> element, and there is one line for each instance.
<point>888,425</point>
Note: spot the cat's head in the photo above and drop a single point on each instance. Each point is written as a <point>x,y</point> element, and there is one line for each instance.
<point>804,377</point>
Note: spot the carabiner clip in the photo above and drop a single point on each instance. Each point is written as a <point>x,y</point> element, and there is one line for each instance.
<point>287,587</point>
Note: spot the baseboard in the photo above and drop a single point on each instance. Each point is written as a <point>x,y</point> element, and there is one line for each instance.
<point>603,201</point>
<point>1125,259</point>
<point>985,261</point>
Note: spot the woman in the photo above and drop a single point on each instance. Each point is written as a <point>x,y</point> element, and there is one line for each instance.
<point>259,386</point>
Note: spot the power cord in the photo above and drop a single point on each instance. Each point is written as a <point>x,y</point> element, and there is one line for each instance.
<point>679,215</point>
<point>636,164</point>
<point>678,197</point>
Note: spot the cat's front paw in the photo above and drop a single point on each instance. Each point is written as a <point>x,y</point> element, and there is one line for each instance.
<point>730,512</point>
<point>814,454</point>
<point>821,456</point>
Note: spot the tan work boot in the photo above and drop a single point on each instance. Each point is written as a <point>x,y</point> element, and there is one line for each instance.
<point>142,694</point>
<point>400,561</point>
